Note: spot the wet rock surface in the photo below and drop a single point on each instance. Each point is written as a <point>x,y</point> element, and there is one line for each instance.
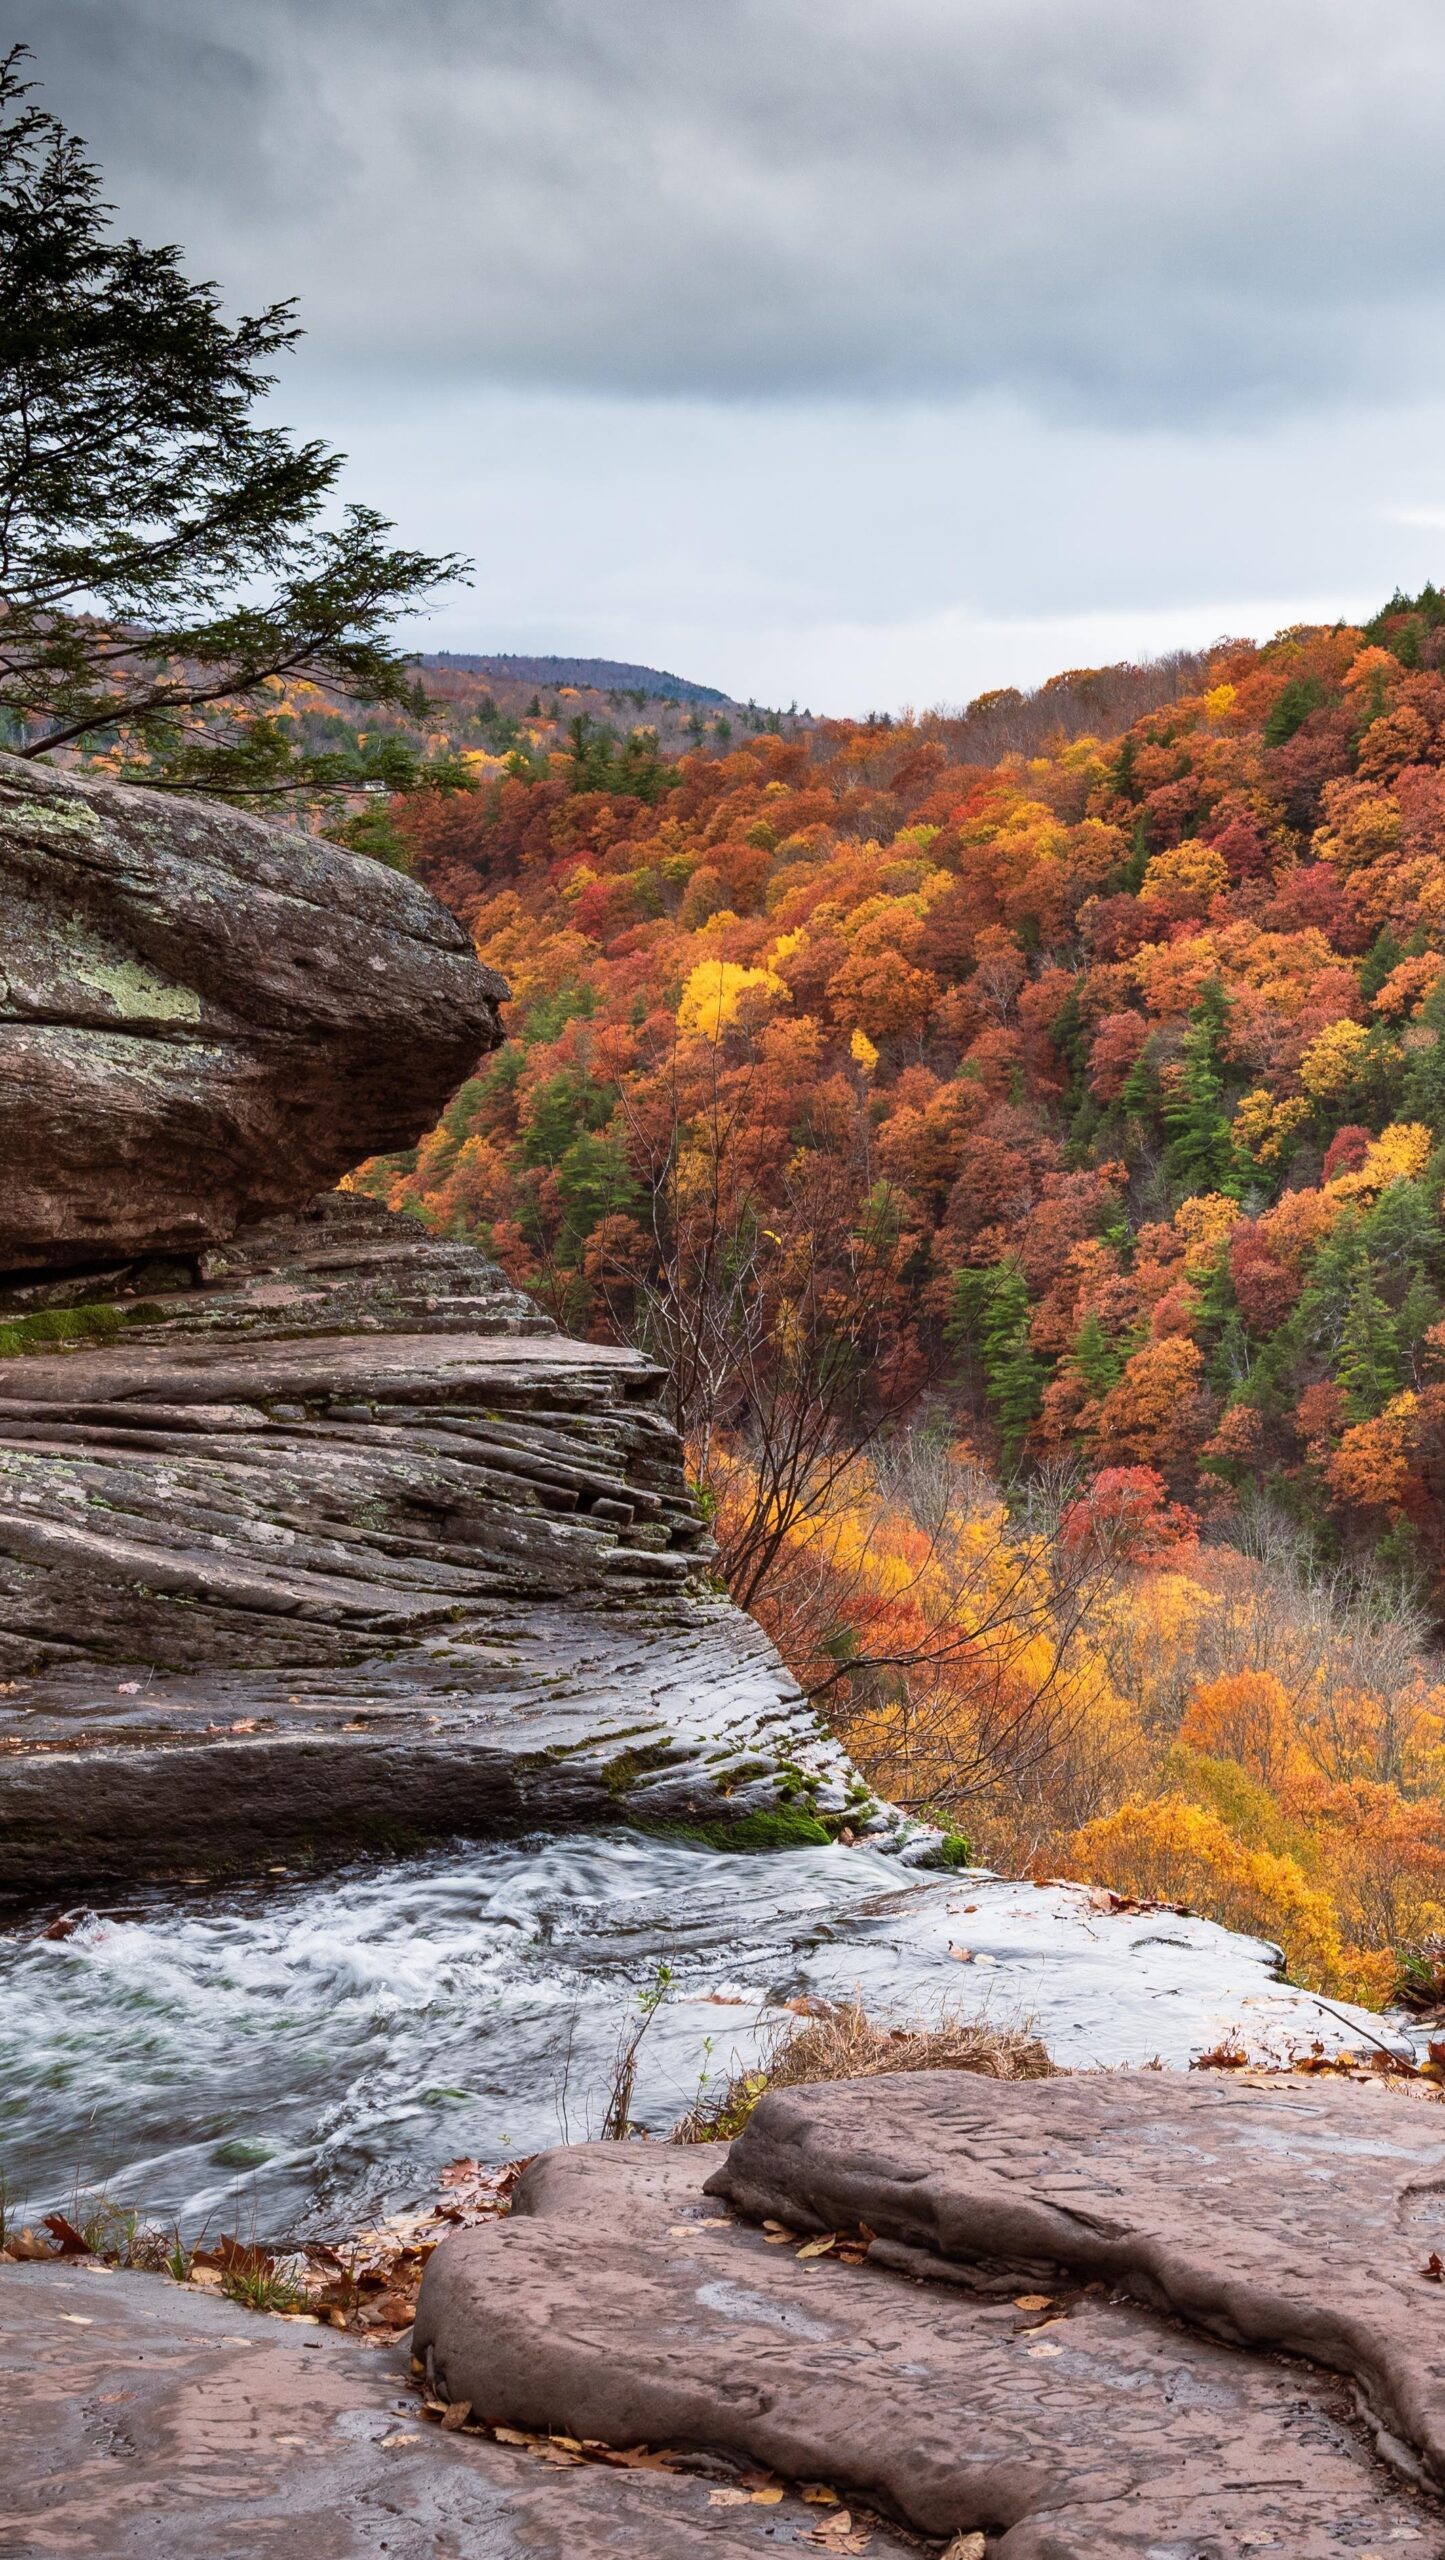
<point>204,1018</point>
<point>620,2301</point>
<point>147,2422</point>
<point>345,1545</point>
<point>1302,2218</point>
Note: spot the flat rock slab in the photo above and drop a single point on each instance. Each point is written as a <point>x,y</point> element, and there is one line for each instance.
<point>1301,2218</point>
<point>143,2421</point>
<point>618,2304</point>
<point>204,1017</point>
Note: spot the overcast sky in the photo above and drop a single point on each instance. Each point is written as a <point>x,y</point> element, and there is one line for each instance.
<point>852,351</point>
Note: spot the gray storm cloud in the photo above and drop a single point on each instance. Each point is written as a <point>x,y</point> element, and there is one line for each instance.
<point>1117,209</point>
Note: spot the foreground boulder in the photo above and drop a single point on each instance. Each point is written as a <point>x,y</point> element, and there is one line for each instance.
<point>146,2422</point>
<point>1302,2218</point>
<point>205,1018</point>
<point>619,2303</point>
<point>342,1545</point>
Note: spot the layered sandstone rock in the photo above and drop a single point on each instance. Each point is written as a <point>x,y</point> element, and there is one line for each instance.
<point>204,1018</point>
<point>1302,2217</point>
<point>341,1544</point>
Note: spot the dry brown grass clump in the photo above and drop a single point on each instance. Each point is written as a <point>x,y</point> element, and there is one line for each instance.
<point>846,2044</point>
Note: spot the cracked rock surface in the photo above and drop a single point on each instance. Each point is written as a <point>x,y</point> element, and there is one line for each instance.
<point>343,1545</point>
<point>204,1017</point>
<point>144,2421</point>
<point>1299,2218</point>
<point>620,2302</point>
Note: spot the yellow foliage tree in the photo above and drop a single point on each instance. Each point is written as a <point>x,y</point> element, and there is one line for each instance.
<point>1333,1059</point>
<point>715,991</point>
<point>1186,877</point>
<point>1170,1850</point>
<point>1247,1716</point>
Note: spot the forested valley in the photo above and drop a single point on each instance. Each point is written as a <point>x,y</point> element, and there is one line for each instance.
<point>1022,1136</point>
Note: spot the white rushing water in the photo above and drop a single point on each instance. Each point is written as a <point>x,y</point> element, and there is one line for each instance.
<point>288,2056</point>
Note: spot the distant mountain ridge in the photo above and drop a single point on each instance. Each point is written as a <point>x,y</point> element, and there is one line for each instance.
<point>603,674</point>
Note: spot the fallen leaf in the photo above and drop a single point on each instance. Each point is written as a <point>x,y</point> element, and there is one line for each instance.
<point>388,2441</point>
<point>636,2458</point>
<point>77,2319</point>
<point>728,2498</point>
<point>818,2494</point>
<point>838,2533</point>
<point>818,2248</point>
<point>456,2416</point>
<point>1033,2301</point>
<point>70,2242</point>
<point>28,2244</point>
<point>510,2435</point>
<point>1434,2268</point>
<point>965,2546</point>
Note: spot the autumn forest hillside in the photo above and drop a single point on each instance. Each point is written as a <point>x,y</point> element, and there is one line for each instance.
<point>1057,1102</point>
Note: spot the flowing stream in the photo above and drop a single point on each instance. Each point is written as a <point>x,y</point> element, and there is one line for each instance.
<point>293,2056</point>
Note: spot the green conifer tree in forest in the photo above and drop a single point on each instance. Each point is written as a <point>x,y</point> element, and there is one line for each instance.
<point>990,1320</point>
<point>1367,1366</point>
<point>1200,1151</point>
<point>1385,953</point>
<point>1099,1362</point>
<point>163,555</point>
<point>1139,1096</point>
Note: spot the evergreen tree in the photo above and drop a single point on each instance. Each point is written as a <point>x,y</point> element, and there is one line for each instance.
<point>1385,953</point>
<point>1139,1097</point>
<point>164,554</point>
<point>989,1322</point>
<point>1200,1152</point>
<point>1367,1365</point>
<point>1099,1361</point>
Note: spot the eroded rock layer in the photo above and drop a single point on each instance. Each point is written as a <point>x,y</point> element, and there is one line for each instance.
<point>618,2303</point>
<point>1302,2217</point>
<point>344,1545</point>
<point>205,1018</point>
